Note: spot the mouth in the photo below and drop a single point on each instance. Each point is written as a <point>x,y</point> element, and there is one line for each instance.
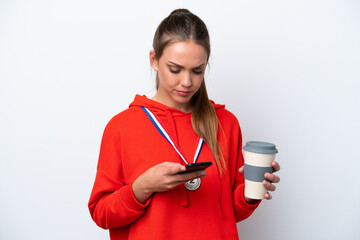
<point>183,93</point>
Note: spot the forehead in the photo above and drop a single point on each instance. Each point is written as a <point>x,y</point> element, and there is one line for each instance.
<point>185,53</point>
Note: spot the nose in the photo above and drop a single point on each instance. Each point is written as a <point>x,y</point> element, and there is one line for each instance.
<point>186,80</point>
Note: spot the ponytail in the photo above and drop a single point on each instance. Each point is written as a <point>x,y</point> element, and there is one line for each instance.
<point>206,124</point>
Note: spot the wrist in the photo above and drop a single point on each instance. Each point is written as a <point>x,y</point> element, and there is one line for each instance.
<point>140,190</point>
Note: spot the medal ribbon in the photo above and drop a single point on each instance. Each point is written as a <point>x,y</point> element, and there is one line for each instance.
<point>165,133</point>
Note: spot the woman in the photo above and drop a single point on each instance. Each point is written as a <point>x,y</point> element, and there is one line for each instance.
<point>138,193</point>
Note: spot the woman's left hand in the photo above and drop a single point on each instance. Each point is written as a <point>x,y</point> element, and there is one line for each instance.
<point>271,177</point>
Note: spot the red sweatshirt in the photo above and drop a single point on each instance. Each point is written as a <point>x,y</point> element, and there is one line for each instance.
<point>131,144</point>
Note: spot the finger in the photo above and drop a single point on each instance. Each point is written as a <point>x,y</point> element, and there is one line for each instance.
<point>273,178</point>
<point>182,178</point>
<point>174,168</point>
<point>275,166</point>
<point>196,174</point>
<point>269,186</point>
<point>241,169</point>
<point>268,196</point>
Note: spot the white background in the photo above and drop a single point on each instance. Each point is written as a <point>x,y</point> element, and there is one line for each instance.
<point>289,70</point>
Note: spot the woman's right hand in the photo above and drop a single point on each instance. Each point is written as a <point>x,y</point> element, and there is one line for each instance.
<point>160,178</point>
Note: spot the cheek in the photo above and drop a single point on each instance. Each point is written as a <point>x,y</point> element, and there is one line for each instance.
<point>166,78</point>
<point>162,75</point>
<point>198,80</point>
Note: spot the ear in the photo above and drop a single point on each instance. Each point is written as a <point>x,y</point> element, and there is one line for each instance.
<point>153,61</point>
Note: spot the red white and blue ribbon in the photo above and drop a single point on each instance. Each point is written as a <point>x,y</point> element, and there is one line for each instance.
<point>165,133</point>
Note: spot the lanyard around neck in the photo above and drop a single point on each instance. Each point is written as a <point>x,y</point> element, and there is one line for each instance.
<point>163,131</point>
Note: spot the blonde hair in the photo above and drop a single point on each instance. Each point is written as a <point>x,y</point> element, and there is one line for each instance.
<point>182,25</point>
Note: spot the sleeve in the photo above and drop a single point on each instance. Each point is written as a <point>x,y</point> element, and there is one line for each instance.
<point>242,209</point>
<point>112,203</point>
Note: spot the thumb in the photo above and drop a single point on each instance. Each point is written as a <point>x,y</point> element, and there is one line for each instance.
<point>175,168</point>
<point>241,169</point>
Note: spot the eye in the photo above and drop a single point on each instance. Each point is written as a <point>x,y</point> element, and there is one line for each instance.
<point>197,72</point>
<point>174,71</point>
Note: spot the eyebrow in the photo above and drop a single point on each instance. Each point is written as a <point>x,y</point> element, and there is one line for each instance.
<point>183,67</point>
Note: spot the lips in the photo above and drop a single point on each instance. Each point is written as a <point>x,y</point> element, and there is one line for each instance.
<point>183,93</point>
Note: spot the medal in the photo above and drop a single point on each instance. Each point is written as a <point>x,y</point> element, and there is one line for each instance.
<point>191,185</point>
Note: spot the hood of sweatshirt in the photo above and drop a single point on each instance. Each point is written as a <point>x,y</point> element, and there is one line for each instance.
<point>171,114</point>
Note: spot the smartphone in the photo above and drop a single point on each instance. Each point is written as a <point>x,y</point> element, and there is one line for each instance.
<point>192,167</point>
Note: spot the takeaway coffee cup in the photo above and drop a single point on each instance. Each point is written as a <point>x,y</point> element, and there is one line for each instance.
<point>258,157</point>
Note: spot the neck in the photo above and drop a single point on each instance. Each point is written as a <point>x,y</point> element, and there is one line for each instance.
<point>186,108</point>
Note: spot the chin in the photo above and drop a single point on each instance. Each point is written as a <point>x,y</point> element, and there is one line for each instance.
<point>183,100</point>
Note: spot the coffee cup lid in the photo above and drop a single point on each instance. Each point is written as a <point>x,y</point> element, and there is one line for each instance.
<point>260,147</point>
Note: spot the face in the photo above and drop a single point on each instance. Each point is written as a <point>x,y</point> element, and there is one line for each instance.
<point>181,70</point>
